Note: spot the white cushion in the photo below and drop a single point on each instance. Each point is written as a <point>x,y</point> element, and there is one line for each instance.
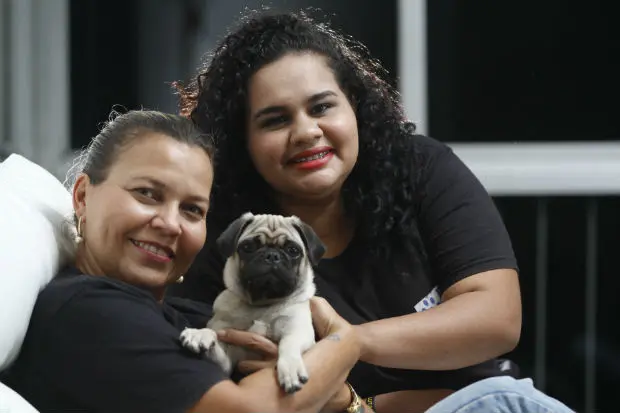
<point>11,402</point>
<point>33,206</point>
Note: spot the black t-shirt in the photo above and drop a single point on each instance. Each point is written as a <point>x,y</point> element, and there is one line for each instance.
<point>463,234</point>
<point>99,345</point>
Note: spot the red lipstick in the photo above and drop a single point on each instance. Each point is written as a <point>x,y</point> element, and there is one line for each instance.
<point>314,158</point>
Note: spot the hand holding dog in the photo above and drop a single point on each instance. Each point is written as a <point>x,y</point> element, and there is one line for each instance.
<point>256,343</point>
<point>327,323</point>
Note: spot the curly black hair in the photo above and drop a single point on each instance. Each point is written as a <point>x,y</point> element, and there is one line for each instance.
<point>379,192</point>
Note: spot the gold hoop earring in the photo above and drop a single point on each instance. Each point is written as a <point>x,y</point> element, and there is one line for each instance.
<point>80,236</point>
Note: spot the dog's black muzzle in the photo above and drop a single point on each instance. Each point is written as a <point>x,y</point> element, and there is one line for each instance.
<point>268,275</point>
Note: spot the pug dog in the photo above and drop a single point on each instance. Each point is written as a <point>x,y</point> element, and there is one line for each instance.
<point>269,281</point>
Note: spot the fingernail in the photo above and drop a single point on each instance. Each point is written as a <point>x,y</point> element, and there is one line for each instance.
<point>221,333</point>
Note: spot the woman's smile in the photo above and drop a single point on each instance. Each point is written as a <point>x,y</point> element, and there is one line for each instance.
<point>154,251</point>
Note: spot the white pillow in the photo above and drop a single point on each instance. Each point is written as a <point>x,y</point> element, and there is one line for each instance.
<point>11,402</point>
<point>33,206</point>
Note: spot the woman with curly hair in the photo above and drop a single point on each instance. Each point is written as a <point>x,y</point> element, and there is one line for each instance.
<point>417,258</point>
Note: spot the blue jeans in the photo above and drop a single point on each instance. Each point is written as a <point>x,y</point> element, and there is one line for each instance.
<point>499,395</point>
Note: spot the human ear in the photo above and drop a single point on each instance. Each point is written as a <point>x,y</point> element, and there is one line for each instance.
<point>79,194</point>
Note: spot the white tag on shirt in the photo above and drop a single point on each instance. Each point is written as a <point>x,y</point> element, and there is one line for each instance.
<point>430,301</point>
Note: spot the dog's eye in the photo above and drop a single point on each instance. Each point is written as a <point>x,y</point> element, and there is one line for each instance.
<point>248,247</point>
<point>293,251</point>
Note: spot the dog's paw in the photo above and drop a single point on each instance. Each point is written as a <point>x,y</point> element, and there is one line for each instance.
<point>292,373</point>
<point>199,340</point>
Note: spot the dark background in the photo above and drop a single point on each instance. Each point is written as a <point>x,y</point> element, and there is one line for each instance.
<point>497,71</point>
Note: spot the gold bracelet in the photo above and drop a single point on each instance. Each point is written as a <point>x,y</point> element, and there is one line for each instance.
<point>356,405</point>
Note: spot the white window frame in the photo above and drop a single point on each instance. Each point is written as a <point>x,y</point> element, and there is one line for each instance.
<point>539,169</point>
<point>38,65</point>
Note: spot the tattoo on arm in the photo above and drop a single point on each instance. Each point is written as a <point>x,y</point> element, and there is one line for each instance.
<point>333,337</point>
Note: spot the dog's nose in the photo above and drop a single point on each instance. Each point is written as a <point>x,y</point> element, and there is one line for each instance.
<point>272,257</point>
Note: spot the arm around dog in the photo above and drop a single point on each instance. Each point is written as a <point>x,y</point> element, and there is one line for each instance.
<point>328,362</point>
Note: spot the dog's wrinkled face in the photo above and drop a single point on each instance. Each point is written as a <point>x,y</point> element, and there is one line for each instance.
<point>270,257</point>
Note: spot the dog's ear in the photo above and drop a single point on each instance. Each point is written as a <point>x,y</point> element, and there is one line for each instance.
<point>227,241</point>
<point>313,243</point>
